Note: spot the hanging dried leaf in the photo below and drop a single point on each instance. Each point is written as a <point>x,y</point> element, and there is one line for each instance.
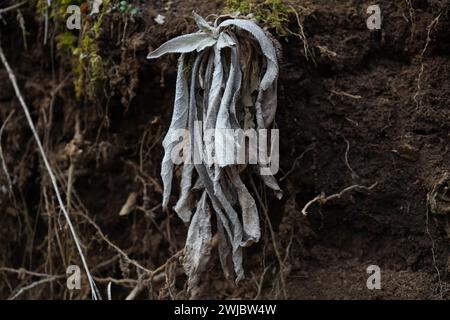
<point>198,243</point>
<point>179,121</point>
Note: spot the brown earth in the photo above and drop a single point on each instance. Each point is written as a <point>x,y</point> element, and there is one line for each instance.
<point>370,107</point>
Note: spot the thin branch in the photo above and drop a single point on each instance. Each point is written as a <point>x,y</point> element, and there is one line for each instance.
<point>4,167</point>
<point>32,285</point>
<point>22,271</point>
<point>12,77</point>
<point>13,7</point>
<point>112,245</point>
<point>152,276</point>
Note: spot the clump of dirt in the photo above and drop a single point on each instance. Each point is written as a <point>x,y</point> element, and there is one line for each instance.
<point>357,107</point>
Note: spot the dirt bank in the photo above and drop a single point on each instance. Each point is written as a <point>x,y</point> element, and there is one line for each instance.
<point>363,107</point>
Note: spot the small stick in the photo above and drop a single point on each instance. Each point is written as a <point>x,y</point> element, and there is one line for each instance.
<point>23,271</point>
<point>14,6</point>
<point>34,284</point>
<point>153,276</point>
<point>4,167</point>
<point>12,77</point>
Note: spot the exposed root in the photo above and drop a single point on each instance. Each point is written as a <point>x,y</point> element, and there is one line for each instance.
<point>294,165</point>
<point>322,198</point>
<point>412,17</point>
<point>281,264</point>
<point>346,94</point>
<point>309,54</point>
<point>430,28</point>
<point>354,174</point>
<point>433,251</point>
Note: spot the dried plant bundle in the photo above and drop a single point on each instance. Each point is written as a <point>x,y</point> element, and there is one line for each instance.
<point>227,80</point>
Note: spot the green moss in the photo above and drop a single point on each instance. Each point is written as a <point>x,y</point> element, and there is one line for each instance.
<point>66,41</point>
<point>242,6</point>
<point>57,10</point>
<point>272,13</point>
<point>41,7</point>
<point>88,64</point>
<point>82,47</point>
<point>88,68</point>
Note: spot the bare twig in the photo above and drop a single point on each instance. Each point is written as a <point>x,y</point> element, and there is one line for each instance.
<point>12,77</point>
<point>112,245</point>
<point>322,198</point>
<point>32,285</point>
<point>152,276</point>
<point>13,7</point>
<point>22,271</point>
<point>260,283</point>
<point>4,167</point>
<point>136,290</point>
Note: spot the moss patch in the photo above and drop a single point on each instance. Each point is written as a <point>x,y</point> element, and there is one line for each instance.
<point>273,14</point>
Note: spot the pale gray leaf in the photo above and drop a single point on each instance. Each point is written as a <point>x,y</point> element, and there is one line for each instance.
<point>266,47</point>
<point>224,251</point>
<point>205,43</point>
<point>230,221</point>
<point>224,140</point>
<point>250,217</point>
<point>214,97</point>
<point>236,228</point>
<point>198,243</point>
<point>203,24</point>
<point>235,106</point>
<point>182,44</point>
<point>184,204</point>
<point>269,104</point>
<point>179,121</point>
<point>225,41</point>
<point>272,183</point>
<point>208,76</point>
